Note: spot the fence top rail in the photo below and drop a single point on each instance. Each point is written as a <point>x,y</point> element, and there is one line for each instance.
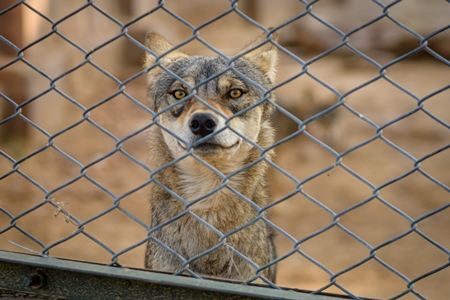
<point>69,278</point>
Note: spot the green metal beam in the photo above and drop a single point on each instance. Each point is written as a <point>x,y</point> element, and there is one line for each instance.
<point>67,279</point>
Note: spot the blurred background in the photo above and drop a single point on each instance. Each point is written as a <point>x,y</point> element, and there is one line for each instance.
<point>377,163</point>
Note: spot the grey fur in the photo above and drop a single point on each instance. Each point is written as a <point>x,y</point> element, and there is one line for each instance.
<point>185,231</point>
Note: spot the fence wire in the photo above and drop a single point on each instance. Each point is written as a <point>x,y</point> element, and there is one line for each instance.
<point>11,164</point>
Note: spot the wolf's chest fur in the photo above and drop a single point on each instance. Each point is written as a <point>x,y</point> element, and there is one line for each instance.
<point>210,193</point>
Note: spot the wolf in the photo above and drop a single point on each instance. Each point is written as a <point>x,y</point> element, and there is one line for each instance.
<point>211,147</point>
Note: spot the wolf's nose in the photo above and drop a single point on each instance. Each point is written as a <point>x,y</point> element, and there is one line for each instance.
<point>203,124</point>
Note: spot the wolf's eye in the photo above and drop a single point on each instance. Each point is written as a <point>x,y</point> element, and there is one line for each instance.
<point>179,94</point>
<point>235,93</point>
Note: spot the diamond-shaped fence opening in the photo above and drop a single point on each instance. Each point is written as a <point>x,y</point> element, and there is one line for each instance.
<point>360,186</point>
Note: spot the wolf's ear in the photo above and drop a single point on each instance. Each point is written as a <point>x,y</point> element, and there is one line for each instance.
<point>265,56</point>
<point>159,45</point>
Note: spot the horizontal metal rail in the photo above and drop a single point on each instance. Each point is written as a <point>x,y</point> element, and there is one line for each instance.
<point>67,279</point>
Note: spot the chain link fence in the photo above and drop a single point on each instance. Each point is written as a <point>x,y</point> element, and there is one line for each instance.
<point>360,182</point>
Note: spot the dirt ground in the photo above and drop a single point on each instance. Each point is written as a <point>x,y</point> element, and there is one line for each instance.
<point>350,182</point>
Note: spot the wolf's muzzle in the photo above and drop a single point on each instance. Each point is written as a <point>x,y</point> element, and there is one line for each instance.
<point>202,124</point>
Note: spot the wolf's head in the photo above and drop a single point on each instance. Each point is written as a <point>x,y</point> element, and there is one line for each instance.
<point>215,106</point>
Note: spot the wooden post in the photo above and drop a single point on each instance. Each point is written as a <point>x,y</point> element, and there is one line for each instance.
<point>13,81</point>
<point>11,26</point>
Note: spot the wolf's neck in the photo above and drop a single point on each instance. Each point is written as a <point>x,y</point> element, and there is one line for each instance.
<point>209,189</point>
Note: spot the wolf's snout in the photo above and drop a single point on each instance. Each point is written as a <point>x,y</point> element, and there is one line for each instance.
<point>202,124</point>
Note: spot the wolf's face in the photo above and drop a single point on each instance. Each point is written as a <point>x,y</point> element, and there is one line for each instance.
<point>215,110</point>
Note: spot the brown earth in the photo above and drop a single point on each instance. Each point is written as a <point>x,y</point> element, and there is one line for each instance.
<point>337,189</point>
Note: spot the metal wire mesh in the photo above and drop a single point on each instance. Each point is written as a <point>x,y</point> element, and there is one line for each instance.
<point>13,163</point>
